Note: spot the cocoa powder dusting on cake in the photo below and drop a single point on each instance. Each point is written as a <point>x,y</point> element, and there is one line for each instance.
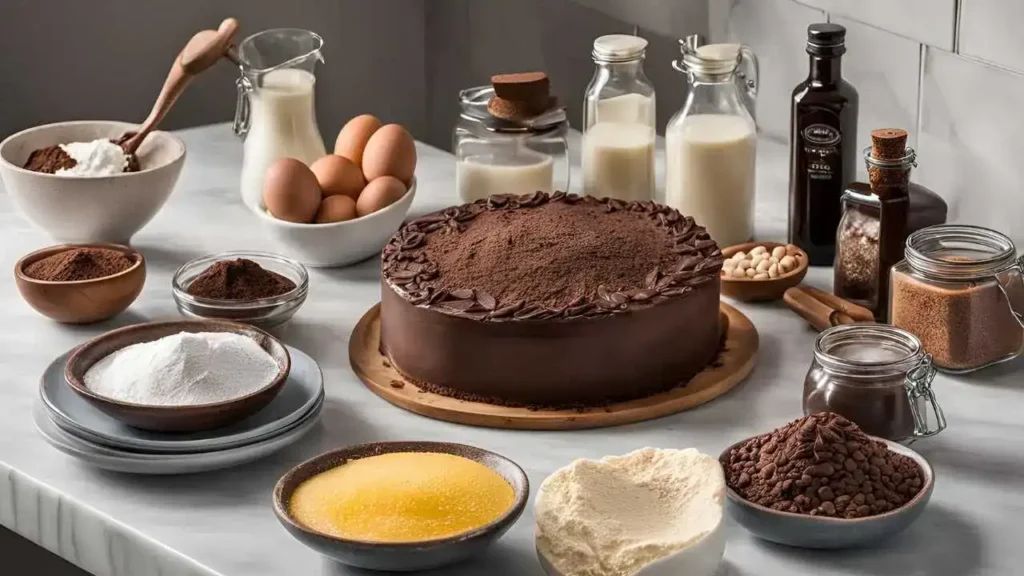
<point>79,264</point>
<point>555,255</point>
<point>822,465</point>
<point>239,279</point>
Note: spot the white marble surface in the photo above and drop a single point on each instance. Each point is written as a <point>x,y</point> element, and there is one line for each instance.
<point>222,523</point>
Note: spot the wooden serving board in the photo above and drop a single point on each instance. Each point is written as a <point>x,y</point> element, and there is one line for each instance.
<point>736,363</point>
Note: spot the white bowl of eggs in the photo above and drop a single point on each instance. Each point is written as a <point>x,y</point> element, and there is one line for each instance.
<point>344,207</point>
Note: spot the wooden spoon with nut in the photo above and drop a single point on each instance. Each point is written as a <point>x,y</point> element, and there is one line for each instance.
<point>201,52</point>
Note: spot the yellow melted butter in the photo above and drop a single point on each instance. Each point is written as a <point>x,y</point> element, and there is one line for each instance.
<point>402,497</point>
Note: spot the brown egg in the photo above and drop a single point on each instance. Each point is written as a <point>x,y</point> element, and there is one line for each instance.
<point>290,191</point>
<point>378,194</point>
<point>391,151</point>
<point>354,135</point>
<point>338,175</point>
<point>337,208</point>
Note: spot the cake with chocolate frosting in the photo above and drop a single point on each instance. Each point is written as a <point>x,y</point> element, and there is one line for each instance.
<point>551,300</point>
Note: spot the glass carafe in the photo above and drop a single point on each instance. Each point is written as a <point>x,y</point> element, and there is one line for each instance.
<point>711,142</point>
<point>619,122</point>
<point>275,115</point>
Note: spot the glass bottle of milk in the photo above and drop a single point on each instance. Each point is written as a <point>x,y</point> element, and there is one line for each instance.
<point>618,122</point>
<point>710,143</point>
<point>275,114</point>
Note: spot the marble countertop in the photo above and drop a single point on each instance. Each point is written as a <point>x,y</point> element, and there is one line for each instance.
<point>222,523</point>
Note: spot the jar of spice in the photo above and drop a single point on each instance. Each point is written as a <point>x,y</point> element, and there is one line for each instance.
<point>877,376</point>
<point>513,154</point>
<point>960,290</point>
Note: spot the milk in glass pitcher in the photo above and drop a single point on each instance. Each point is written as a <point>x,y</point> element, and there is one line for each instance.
<point>275,115</point>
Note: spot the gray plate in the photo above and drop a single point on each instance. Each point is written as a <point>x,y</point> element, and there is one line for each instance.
<point>165,464</point>
<point>74,415</point>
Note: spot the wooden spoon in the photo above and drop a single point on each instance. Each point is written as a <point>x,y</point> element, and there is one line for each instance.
<point>201,52</point>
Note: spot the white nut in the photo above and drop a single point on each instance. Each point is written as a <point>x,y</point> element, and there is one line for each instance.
<point>743,264</point>
<point>774,260</point>
<point>737,273</point>
<point>791,250</point>
<point>756,260</point>
<point>758,250</point>
<point>739,256</point>
<point>788,263</point>
<point>751,272</point>
<point>778,252</point>
<point>761,276</point>
<point>763,266</point>
<point>773,271</point>
<point>728,265</point>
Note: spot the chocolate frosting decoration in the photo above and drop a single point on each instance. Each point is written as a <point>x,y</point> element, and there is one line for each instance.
<point>562,282</point>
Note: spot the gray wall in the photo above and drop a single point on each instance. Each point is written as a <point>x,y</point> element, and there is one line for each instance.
<point>73,59</point>
<point>403,60</point>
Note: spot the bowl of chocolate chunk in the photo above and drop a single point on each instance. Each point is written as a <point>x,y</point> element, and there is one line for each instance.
<point>761,271</point>
<point>81,283</point>
<point>821,482</point>
<point>257,288</point>
<point>73,180</point>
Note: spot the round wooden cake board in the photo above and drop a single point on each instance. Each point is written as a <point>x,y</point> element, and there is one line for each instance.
<point>734,364</point>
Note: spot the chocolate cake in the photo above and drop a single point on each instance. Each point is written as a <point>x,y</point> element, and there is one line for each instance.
<point>551,300</point>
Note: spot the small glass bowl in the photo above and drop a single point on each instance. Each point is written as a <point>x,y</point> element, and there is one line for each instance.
<point>263,313</point>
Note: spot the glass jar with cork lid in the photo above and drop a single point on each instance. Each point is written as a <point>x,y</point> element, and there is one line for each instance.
<point>877,376</point>
<point>511,138</point>
<point>960,290</point>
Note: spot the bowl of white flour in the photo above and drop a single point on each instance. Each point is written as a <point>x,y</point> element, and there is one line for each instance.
<point>183,376</point>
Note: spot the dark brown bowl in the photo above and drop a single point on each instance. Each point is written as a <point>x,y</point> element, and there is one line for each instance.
<point>174,418</point>
<point>405,556</point>
<point>750,290</point>
<point>81,301</point>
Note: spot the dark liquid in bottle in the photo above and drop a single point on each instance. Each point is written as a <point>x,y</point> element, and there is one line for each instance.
<point>823,146</point>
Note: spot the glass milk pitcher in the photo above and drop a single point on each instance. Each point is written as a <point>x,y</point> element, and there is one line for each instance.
<point>710,144</point>
<point>275,115</point>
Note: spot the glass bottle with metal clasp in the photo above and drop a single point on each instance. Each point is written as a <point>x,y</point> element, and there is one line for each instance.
<point>710,144</point>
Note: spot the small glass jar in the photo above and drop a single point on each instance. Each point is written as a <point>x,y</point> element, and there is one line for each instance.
<point>878,377</point>
<point>619,122</point>
<point>960,290</point>
<point>497,156</point>
<point>856,271</point>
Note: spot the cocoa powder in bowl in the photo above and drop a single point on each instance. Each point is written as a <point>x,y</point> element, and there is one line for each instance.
<point>822,465</point>
<point>239,279</point>
<point>77,264</point>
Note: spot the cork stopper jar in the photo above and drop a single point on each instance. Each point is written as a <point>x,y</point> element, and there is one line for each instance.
<point>960,290</point>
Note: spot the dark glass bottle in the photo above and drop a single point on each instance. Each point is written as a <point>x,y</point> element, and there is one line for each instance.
<point>823,145</point>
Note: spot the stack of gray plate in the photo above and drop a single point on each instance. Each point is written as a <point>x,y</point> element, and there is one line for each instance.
<point>72,425</point>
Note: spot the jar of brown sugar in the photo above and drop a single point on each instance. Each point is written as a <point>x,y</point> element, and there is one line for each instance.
<point>878,377</point>
<point>959,289</point>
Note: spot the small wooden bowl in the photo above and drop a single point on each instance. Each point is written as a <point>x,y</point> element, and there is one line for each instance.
<point>175,418</point>
<point>401,556</point>
<point>750,290</point>
<point>81,301</point>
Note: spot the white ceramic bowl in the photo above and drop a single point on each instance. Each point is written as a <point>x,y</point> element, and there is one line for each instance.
<point>83,209</point>
<point>337,243</point>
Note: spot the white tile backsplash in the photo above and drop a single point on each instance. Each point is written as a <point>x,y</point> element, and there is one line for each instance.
<point>990,30</point>
<point>884,68</point>
<point>673,18</point>
<point>777,31</point>
<point>931,22</point>
<point>969,143</point>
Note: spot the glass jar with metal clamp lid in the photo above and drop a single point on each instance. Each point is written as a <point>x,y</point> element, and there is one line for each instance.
<point>877,376</point>
<point>960,290</point>
<point>499,156</point>
<point>710,144</point>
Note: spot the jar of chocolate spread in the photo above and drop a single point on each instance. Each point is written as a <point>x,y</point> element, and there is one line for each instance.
<point>877,376</point>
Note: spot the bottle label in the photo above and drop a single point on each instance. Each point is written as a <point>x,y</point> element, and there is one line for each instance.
<point>822,149</point>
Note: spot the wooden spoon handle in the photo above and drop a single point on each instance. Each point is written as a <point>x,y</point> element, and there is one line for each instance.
<point>201,52</point>
<point>858,313</point>
<point>818,313</point>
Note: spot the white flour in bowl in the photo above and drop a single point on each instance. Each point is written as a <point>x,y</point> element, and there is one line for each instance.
<point>612,517</point>
<point>184,369</point>
<point>95,158</point>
